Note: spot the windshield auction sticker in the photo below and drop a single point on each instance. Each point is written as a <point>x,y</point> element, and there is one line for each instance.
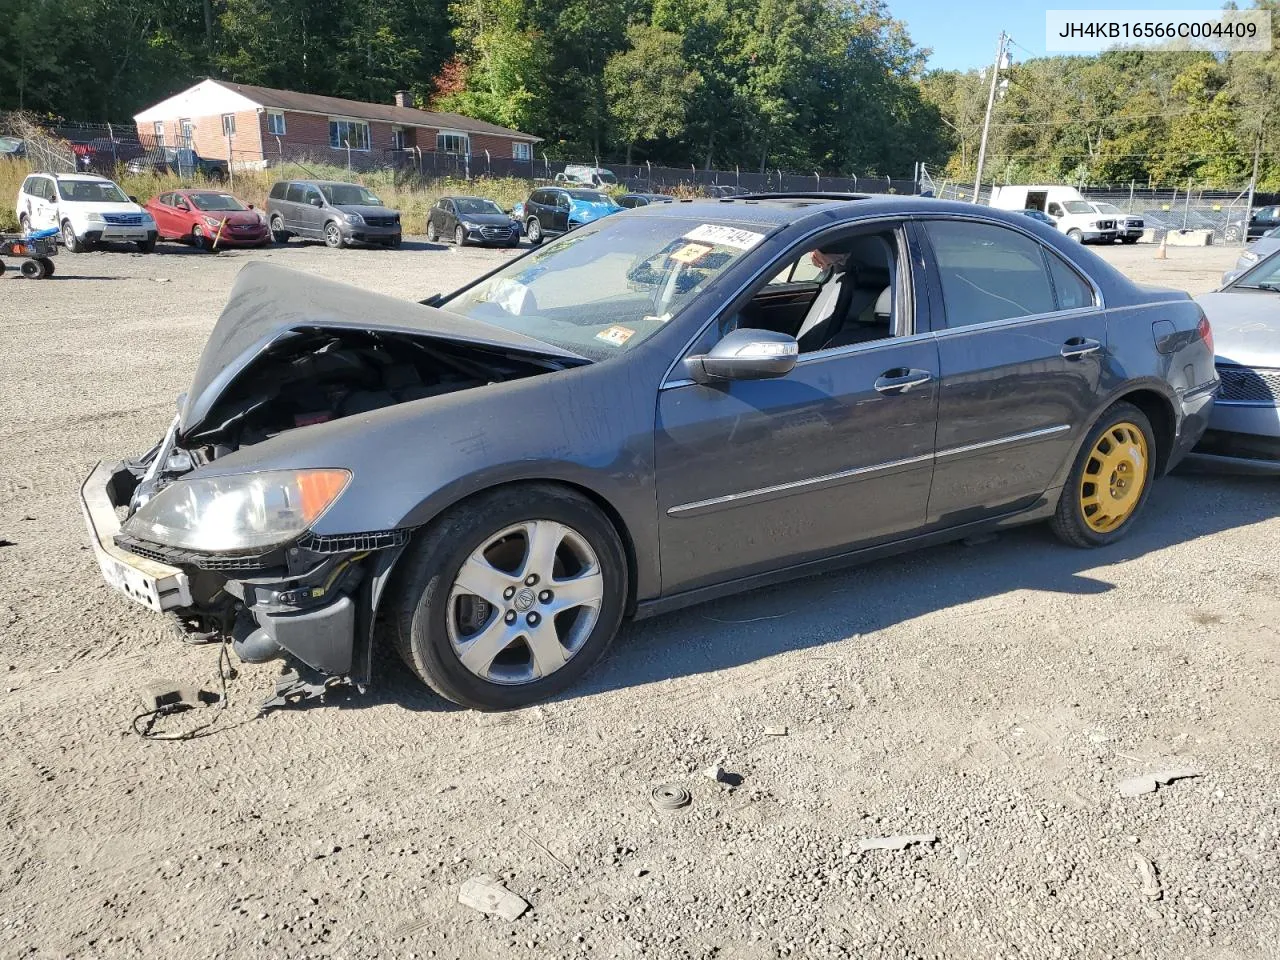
<point>717,235</point>
<point>1215,31</point>
<point>616,336</point>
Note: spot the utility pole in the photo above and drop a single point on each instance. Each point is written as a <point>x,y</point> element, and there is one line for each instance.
<point>1253,185</point>
<point>991,102</point>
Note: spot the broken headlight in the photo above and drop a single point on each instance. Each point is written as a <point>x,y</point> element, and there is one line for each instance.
<point>238,513</point>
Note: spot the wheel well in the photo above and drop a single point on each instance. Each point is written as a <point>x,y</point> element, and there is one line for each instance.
<point>1160,412</point>
<point>604,506</point>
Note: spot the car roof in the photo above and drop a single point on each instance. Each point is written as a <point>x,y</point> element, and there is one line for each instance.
<point>776,210</point>
<point>87,177</point>
<point>324,183</point>
<point>465,196</point>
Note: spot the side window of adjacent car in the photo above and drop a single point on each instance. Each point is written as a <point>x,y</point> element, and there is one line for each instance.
<point>988,272</point>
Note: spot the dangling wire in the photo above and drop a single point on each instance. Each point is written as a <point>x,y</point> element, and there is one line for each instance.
<point>144,723</point>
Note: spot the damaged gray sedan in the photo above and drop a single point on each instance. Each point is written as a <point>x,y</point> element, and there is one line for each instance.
<point>670,405</point>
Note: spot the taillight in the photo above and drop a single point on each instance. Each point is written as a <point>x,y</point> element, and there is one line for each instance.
<point>1206,332</point>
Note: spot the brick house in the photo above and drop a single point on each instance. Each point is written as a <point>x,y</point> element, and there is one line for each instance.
<point>255,127</point>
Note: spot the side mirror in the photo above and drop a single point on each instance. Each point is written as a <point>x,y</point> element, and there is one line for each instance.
<point>316,202</point>
<point>746,355</point>
<point>132,198</point>
<point>182,205</point>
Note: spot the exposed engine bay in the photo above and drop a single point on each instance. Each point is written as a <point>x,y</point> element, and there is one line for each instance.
<point>321,374</point>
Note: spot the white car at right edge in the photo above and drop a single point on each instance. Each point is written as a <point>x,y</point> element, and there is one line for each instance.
<point>85,209</point>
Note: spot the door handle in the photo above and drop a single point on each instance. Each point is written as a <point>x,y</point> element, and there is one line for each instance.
<point>901,380</point>
<point>1078,347</point>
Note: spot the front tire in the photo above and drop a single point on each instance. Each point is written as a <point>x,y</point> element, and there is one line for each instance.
<point>534,231</point>
<point>1076,235</point>
<point>332,235</point>
<point>47,262</point>
<point>199,239</point>
<point>460,236</point>
<point>278,233</point>
<point>145,246</point>
<point>1128,240</point>
<point>509,599</point>
<point>72,243</point>
<point>1110,481</point>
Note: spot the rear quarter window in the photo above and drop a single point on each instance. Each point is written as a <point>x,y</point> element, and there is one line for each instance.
<point>989,273</point>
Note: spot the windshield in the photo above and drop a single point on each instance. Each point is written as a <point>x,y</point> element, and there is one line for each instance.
<point>476,205</point>
<point>91,191</point>
<point>608,287</point>
<point>1108,208</point>
<point>1264,276</point>
<point>341,194</point>
<point>606,176</point>
<point>1076,206</point>
<point>589,196</point>
<point>216,201</point>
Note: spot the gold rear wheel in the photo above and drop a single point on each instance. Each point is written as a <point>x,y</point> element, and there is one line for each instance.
<point>1114,477</point>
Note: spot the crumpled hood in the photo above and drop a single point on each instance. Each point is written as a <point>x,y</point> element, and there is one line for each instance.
<point>1246,326</point>
<point>584,211</point>
<point>268,303</point>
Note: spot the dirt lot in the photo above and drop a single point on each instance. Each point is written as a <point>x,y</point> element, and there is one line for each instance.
<point>992,694</point>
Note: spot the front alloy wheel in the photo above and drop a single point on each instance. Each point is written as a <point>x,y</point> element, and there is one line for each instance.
<point>460,236</point>
<point>70,240</point>
<point>1109,481</point>
<point>332,235</point>
<point>511,597</point>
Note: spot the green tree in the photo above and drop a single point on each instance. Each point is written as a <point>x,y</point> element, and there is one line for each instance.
<point>649,86</point>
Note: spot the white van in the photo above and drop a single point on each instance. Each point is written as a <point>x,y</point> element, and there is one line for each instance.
<point>85,209</point>
<point>1075,215</point>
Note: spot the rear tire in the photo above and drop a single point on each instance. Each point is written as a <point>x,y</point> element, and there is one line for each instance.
<point>428,606</point>
<point>24,225</point>
<point>48,266</point>
<point>1128,240</point>
<point>1110,481</point>
<point>432,235</point>
<point>33,269</point>
<point>533,229</point>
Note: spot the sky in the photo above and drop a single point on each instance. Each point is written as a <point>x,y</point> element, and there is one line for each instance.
<point>963,36</point>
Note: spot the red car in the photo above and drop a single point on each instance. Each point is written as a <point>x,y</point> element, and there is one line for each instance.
<point>210,219</point>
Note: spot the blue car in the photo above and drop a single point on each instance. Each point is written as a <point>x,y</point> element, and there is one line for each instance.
<point>552,211</point>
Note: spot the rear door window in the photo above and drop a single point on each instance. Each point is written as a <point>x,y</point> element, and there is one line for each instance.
<point>988,272</point>
<point>297,193</point>
<point>278,190</point>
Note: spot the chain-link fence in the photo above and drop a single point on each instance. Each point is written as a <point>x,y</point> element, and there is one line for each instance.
<point>110,148</point>
<point>1163,209</point>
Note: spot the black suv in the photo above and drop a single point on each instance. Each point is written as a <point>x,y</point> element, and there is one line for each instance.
<point>337,213</point>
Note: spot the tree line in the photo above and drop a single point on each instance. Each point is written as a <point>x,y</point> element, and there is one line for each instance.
<point>831,86</point>
<point>1148,118</point>
<point>805,85</point>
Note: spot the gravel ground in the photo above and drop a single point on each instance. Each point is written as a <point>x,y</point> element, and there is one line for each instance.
<point>992,695</point>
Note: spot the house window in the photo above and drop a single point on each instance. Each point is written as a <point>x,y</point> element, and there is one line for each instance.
<point>521,150</point>
<point>397,138</point>
<point>453,143</point>
<point>348,134</point>
<point>228,124</point>
<point>184,126</point>
<point>275,123</point>
<point>157,130</point>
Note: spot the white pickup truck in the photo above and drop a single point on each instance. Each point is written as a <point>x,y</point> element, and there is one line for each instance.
<point>1076,216</point>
